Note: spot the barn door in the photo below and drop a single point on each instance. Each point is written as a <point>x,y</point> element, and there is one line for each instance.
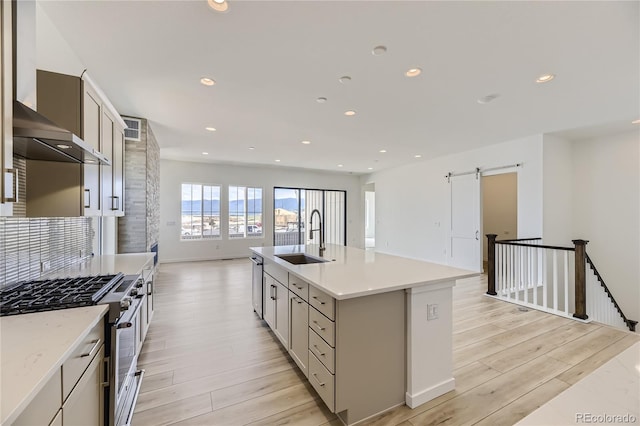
<point>466,241</point>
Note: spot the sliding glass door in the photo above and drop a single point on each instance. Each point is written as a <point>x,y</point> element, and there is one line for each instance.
<point>292,209</point>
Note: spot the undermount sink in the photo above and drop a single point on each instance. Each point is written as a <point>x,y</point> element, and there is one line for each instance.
<point>300,258</point>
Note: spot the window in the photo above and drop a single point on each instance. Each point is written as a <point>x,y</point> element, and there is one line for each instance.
<point>200,211</point>
<point>245,212</point>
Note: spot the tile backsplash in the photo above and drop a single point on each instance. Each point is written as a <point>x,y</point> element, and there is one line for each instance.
<point>29,245</point>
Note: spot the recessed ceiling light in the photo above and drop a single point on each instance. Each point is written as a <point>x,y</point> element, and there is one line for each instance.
<point>321,100</point>
<point>379,50</point>
<point>636,121</point>
<point>211,129</point>
<point>340,165</point>
<point>207,81</point>
<point>306,142</point>
<point>488,98</point>
<point>345,79</point>
<point>205,153</point>
<point>369,168</point>
<point>544,78</point>
<point>89,161</point>
<point>219,5</point>
<point>277,161</point>
<point>350,112</point>
<point>382,151</point>
<point>413,72</point>
<point>418,156</point>
<point>63,146</point>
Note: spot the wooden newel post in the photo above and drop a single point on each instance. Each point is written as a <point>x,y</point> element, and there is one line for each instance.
<point>491,264</point>
<point>580,279</point>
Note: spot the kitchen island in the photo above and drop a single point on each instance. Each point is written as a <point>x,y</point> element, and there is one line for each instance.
<point>378,328</point>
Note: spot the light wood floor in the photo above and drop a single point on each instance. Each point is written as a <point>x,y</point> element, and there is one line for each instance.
<point>210,361</point>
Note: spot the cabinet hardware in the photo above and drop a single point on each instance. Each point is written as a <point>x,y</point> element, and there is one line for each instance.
<point>87,198</point>
<point>115,198</point>
<point>14,187</point>
<point>318,325</point>
<point>319,351</point>
<point>105,372</point>
<point>321,302</point>
<point>298,301</point>
<point>96,343</point>
<point>317,380</point>
<point>124,325</point>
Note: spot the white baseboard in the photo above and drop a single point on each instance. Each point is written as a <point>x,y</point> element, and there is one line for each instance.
<point>428,394</point>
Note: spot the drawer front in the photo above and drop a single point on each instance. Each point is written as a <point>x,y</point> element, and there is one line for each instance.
<point>322,351</point>
<point>81,357</point>
<point>299,287</point>
<point>322,302</point>
<point>43,408</point>
<point>322,381</point>
<point>323,326</point>
<point>276,272</point>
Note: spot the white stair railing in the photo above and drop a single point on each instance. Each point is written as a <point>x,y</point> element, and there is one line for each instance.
<point>559,280</point>
<point>533,275</point>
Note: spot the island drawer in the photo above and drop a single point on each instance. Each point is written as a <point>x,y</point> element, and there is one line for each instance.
<point>323,326</point>
<point>299,287</point>
<point>322,351</point>
<point>322,381</point>
<point>322,302</point>
<point>81,357</point>
<point>280,274</point>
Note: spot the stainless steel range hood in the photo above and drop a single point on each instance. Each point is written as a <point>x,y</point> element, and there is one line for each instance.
<point>37,138</point>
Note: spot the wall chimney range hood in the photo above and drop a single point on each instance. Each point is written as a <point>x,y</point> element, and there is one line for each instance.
<point>37,138</point>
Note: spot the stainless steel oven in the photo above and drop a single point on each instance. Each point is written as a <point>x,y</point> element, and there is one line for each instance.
<point>125,379</point>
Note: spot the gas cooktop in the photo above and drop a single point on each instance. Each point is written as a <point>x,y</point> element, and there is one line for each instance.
<point>52,294</point>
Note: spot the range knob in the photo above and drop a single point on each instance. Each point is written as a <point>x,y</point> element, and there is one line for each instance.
<point>139,283</point>
<point>125,303</point>
<point>134,292</point>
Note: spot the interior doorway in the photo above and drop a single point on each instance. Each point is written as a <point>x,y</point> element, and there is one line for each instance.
<point>499,208</point>
<point>369,220</point>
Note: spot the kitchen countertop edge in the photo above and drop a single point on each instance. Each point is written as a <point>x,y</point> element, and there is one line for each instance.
<point>341,255</point>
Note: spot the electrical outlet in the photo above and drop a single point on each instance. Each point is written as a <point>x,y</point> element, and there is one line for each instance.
<point>45,266</point>
<point>432,312</point>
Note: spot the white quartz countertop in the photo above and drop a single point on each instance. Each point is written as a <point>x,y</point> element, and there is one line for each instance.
<point>33,347</point>
<point>128,264</point>
<point>352,272</point>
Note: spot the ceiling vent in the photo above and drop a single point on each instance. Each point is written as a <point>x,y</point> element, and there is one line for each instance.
<point>134,126</point>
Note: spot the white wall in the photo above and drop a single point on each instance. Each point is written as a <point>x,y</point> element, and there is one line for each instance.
<point>370,214</point>
<point>53,53</point>
<point>557,191</point>
<point>413,202</point>
<point>174,173</point>
<point>606,200</point>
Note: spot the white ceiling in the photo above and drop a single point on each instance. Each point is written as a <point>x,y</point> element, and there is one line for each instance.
<point>272,59</point>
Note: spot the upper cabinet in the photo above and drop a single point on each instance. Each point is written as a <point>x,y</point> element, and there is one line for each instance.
<point>78,105</point>
<point>8,183</point>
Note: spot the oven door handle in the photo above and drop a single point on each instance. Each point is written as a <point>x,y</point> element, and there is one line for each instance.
<point>135,398</point>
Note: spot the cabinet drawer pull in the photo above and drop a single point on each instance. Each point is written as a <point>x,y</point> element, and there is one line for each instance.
<point>296,286</point>
<point>299,301</point>
<point>321,302</point>
<point>317,380</point>
<point>87,197</point>
<point>95,346</point>
<point>318,349</point>
<point>318,325</point>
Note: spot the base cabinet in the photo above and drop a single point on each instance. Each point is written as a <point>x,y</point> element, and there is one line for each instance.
<point>84,406</point>
<point>74,395</point>
<point>352,351</point>
<point>299,339</point>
